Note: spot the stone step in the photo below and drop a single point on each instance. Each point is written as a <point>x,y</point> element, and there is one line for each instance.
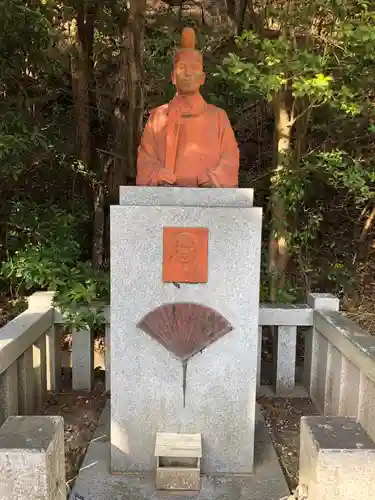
<point>337,459</point>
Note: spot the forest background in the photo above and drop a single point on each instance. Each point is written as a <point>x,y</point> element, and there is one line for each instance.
<point>296,77</point>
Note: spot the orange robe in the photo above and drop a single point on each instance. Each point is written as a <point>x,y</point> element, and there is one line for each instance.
<point>200,140</point>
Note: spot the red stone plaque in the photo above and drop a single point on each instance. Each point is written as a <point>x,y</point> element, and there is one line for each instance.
<point>185,254</point>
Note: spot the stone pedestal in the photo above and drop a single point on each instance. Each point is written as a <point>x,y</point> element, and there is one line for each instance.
<point>337,459</point>
<point>152,389</point>
<point>32,464</point>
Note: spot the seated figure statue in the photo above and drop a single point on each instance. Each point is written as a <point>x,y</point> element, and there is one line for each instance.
<point>188,142</point>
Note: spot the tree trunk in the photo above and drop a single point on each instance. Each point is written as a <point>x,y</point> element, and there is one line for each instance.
<point>79,72</point>
<point>83,84</point>
<point>241,13</point>
<point>98,236</point>
<point>128,94</point>
<point>278,254</point>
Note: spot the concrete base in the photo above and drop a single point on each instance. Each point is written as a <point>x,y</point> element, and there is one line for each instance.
<point>95,482</point>
<point>337,459</point>
<point>215,395</point>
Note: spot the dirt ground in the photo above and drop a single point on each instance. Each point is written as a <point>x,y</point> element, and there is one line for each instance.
<point>81,412</point>
<point>282,416</point>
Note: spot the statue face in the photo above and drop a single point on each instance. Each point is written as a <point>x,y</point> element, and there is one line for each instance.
<point>188,75</point>
<point>186,247</point>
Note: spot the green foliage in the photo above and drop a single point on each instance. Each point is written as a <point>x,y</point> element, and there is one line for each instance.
<point>289,294</point>
<point>25,36</point>
<point>159,48</point>
<point>42,244</point>
<point>44,254</point>
<point>343,172</point>
<point>316,55</point>
<point>326,73</point>
<point>280,66</point>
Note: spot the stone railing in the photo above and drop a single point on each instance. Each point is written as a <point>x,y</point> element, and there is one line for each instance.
<point>31,344</point>
<point>29,353</point>
<point>338,374</point>
<point>284,320</point>
<point>342,379</point>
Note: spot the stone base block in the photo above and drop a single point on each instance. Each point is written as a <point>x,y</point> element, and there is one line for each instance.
<point>214,392</point>
<point>96,482</point>
<point>177,478</point>
<point>337,459</point>
<point>32,465</point>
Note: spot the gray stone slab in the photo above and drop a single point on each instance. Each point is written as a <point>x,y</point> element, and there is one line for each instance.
<point>338,433</point>
<point>221,380</point>
<point>186,197</point>
<point>285,315</point>
<point>337,459</point>
<point>95,482</point>
<point>323,301</point>
<point>32,465</point>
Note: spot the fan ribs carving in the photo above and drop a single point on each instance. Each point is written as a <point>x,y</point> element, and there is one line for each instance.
<point>185,328</point>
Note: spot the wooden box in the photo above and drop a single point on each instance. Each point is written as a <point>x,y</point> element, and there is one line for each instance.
<point>178,461</point>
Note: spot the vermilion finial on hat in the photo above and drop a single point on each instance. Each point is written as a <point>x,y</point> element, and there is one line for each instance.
<point>188,38</point>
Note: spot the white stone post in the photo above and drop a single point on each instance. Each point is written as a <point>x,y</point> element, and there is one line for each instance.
<point>317,301</point>
<point>82,359</point>
<point>337,459</point>
<point>284,356</point>
<point>32,465</point>
<point>40,301</point>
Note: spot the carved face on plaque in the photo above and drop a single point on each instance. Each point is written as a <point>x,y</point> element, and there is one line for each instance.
<point>185,255</point>
<point>186,249</point>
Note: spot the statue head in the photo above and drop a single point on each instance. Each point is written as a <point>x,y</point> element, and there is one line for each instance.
<point>186,248</point>
<point>188,74</point>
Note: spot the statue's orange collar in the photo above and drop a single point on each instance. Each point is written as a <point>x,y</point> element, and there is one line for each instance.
<point>187,106</point>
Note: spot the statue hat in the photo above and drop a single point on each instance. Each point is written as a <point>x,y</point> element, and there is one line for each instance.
<point>188,42</point>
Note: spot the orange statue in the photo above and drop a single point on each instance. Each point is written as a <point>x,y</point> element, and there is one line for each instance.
<point>188,142</point>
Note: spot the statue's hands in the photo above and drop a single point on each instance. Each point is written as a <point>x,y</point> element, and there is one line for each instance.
<point>166,177</point>
<point>207,180</point>
<point>204,180</point>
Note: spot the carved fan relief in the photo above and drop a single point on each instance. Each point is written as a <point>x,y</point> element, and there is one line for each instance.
<point>185,329</point>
